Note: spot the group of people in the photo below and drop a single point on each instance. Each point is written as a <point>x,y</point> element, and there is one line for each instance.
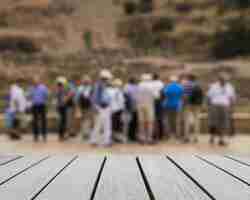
<point>145,110</point>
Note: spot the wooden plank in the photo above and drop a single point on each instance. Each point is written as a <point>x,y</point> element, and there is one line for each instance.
<point>218,185</point>
<point>5,159</point>
<point>121,180</point>
<point>168,182</point>
<point>76,182</point>
<point>28,184</point>
<point>240,159</point>
<point>235,169</point>
<point>13,169</point>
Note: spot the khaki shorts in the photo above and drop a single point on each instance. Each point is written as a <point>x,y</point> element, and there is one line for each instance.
<point>146,113</point>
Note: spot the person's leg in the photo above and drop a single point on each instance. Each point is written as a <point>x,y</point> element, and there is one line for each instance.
<point>86,124</point>
<point>151,122</point>
<point>107,126</point>
<point>35,122</point>
<point>196,132</point>
<point>43,115</point>
<point>172,122</point>
<point>225,125</point>
<point>167,124</point>
<point>189,123</point>
<point>178,123</point>
<point>133,126</point>
<point>212,122</point>
<point>71,120</point>
<point>141,118</point>
<point>126,119</point>
<point>62,122</point>
<point>96,132</point>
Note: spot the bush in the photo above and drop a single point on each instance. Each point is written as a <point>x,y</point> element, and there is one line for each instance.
<point>234,41</point>
<point>88,40</point>
<point>129,7</point>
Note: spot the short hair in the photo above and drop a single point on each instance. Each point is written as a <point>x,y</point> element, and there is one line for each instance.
<point>155,76</point>
<point>132,80</point>
<point>192,77</point>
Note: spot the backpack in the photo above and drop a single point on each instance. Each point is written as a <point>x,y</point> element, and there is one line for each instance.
<point>197,96</point>
<point>85,101</point>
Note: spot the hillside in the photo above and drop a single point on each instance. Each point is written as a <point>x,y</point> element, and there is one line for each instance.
<point>70,37</point>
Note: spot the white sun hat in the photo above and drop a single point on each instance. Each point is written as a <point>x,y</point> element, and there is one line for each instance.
<point>173,78</point>
<point>106,74</point>
<point>61,80</point>
<point>146,77</point>
<point>117,82</point>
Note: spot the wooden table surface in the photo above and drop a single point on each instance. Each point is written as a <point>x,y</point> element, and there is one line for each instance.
<point>124,177</point>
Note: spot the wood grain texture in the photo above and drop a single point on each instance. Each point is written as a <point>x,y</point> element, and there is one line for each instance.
<point>168,182</point>
<point>219,184</point>
<point>14,168</point>
<point>121,180</point>
<point>232,167</point>
<point>25,186</point>
<point>76,182</point>
<point>5,159</point>
<point>240,159</point>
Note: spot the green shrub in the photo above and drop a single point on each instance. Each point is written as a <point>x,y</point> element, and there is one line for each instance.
<point>88,40</point>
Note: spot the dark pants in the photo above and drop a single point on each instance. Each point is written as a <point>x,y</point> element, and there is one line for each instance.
<point>133,126</point>
<point>117,124</point>
<point>62,125</point>
<point>39,113</point>
<point>158,133</point>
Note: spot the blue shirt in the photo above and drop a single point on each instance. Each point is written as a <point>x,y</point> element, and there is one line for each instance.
<point>39,95</point>
<point>173,94</point>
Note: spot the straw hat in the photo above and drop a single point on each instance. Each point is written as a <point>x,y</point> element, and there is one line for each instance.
<point>106,74</point>
<point>61,80</point>
<point>86,78</point>
<point>146,77</point>
<point>173,78</point>
<point>117,82</point>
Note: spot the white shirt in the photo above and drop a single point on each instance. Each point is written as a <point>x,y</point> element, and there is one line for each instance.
<point>145,94</point>
<point>221,95</point>
<point>157,86</point>
<point>18,101</point>
<point>117,99</point>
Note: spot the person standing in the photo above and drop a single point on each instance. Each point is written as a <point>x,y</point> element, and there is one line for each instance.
<point>61,106</point>
<point>131,114</point>
<point>71,108</point>
<point>193,100</point>
<point>17,108</point>
<point>145,106</point>
<point>157,86</point>
<point>102,104</point>
<point>39,99</point>
<point>173,104</point>
<point>117,108</point>
<point>83,96</point>
<point>221,96</point>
